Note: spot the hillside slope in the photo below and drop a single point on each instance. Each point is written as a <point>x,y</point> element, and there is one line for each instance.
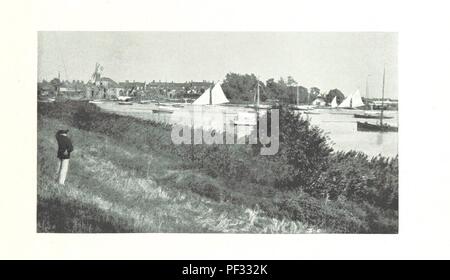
<point>116,188</point>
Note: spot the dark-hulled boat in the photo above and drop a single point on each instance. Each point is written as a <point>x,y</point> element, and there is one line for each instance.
<point>365,126</point>
<point>125,103</point>
<point>370,116</point>
<point>379,127</point>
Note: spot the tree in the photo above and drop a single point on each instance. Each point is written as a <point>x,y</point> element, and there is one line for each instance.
<point>56,83</point>
<point>278,90</point>
<point>335,92</point>
<point>303,152</point>
<point>314,92</point>
<point>291,82</point>
<point>240,87</point>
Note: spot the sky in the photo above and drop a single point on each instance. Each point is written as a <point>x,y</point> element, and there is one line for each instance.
<point>345,61</point>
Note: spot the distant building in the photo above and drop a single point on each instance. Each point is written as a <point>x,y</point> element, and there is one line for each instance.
<point>387,104</point>
<point>127,85</point>
<point>319,101</point>
<point>106,82</point>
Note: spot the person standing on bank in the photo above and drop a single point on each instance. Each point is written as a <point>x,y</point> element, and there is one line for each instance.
<point>65,147</point>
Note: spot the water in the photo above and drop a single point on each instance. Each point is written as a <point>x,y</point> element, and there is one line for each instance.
<point>340,127</point>
<point>342,130</point>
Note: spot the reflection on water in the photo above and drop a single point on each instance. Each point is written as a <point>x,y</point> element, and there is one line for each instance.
<point>342,130</point>
<point>380,138</point>
<point>340,127</point>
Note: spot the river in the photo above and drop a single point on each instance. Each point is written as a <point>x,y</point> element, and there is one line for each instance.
<point>340,127</point>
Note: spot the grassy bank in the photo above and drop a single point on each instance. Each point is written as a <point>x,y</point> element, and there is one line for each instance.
<point>126,176</point>
<point>113,187</point>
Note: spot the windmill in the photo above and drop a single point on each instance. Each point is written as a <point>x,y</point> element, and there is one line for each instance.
<point>96,76</point>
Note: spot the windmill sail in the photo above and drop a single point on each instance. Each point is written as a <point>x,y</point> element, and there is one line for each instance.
<point>217,96</point>
<point>334,103</point>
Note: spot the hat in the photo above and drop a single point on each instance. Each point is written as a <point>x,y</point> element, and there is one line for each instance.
<point>62,131</point>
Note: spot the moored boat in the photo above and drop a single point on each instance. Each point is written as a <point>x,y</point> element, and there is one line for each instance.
<point>162,110</point>
<point>302,107</point>
<point>311,112</point>
<point>379,127</point>
<point>125,103</point>
<point>260,106</point>
<point>245,119</point>
<point>144,102</point>
<point>370,116</point>
<point>96,101</point>
<point>365,126</point>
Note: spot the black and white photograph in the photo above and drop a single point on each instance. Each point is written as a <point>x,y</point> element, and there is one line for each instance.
<point>217,132</point>
<point>224,138</point>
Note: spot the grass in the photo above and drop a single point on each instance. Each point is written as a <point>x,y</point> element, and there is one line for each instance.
<point>127,176</point>
<point>113,187</point>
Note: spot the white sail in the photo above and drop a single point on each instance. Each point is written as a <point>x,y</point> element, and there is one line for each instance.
<point>357,100</point>
<point>217,96</point>
<point>203,99</point>
<point>334,103</point>
<point>346,103</point>
<point>352,101</point>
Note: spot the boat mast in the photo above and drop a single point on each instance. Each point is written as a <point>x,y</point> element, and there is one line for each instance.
<point>210,94</point>
<point>367,86</point>
<point>307,98</point>
<point>367,92</point>
<point>59,85</point>
<point>382,98</point>
<point>257,93</point>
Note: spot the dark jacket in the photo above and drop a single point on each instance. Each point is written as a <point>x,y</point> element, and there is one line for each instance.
<point>64,146</point>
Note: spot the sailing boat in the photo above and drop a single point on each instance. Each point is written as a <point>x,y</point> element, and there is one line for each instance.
<point>250,118</point>
<point>162,109</point>
<point>334,103</point>
<point>370,114</point>
<point>380,127</point>
<point>352,102</point>
<point>299,107</point>
<point>212,96</point>
<point>257,100</point>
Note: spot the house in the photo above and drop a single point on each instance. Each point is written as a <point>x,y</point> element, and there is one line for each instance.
<point>127,85</point>
<point>103,87</point>
<point>386,104</point>
<point>319,101</point>
<point>106,82</point>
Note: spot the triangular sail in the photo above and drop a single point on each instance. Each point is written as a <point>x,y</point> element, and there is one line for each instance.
<point>218,97</point>
<point>203,99</point>
<point>346,103</point>
<point>357,100</point>
<point>334,103</point>
<point>352,101</point>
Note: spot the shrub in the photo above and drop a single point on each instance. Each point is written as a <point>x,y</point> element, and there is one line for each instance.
<point>305,181</point>
<point>358,179</point>
<point>315,212</point>
<point>303,152</point>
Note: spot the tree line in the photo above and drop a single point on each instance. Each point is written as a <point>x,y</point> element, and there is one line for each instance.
<point>242,88</point>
